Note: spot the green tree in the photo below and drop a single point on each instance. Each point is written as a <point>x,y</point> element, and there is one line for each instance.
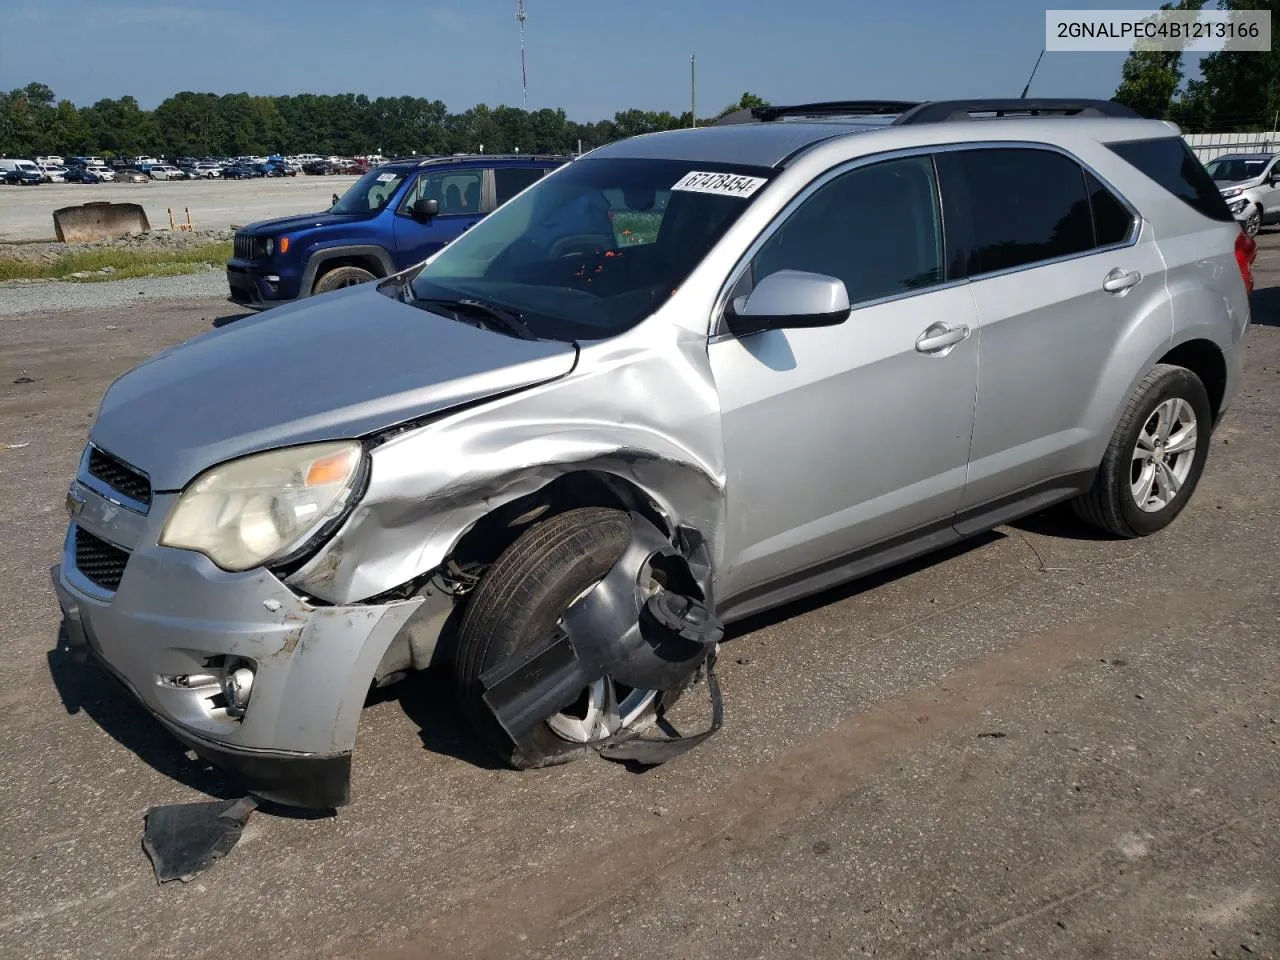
<point>1150,78</point>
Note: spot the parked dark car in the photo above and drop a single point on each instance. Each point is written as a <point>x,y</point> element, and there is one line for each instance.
<point>393,217</point>
<point>319,168</point>
<point>240,171</point>
<point>81,175</point>
<point>24,176</point>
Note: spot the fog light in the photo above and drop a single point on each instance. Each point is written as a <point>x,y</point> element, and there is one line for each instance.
<point>237,686</point>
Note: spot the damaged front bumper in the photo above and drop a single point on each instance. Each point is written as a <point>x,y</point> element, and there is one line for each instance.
<point>176,625</point>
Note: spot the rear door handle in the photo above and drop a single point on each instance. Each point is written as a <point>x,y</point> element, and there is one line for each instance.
<point>1117,281</point>
<point>938,337</point>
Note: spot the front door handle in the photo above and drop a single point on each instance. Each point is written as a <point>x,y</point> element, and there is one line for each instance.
<point>1118,281</point>
<point>938,337</point>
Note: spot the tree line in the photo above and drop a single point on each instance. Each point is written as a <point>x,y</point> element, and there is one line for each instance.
<point>1237,92</point>
<point>34,122</point>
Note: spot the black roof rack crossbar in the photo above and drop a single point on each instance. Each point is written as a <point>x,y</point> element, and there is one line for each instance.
<point>837,108</point>
<point>947,111</point>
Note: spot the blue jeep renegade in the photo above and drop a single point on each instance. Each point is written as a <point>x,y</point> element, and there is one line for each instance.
<point>393,217</point>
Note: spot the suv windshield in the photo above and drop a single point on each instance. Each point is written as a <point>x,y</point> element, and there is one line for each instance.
<point>370,193</point>
<point>1234,169</point>
<point>594,248</point>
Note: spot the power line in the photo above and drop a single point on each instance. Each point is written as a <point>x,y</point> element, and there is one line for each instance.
<point>521,17</point>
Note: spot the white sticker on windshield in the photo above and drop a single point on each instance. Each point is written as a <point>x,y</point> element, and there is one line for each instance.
<point>725,184</point>
<point>384,177</point>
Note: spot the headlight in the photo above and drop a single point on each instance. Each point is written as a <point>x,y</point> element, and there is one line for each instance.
<point>1233,192</point>
<point>270,246</point>
<point>1239,205</point>
<point>265,506</point>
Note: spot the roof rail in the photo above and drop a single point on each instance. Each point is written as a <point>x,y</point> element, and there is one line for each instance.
<point>937,111</point>
<point>949,111</point>
<point>839,108</point>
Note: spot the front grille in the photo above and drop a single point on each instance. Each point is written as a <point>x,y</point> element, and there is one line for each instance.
<point>118,475</point>
<point>246,247</point>
<point>99,561</point>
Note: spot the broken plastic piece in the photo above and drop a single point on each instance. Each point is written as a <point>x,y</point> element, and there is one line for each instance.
<point>685,617</point>
<point>183,839</point>
<point>650,752</point>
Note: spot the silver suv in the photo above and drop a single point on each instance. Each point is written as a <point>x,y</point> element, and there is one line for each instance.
<point>1250,183</point>
<point>686,378</point>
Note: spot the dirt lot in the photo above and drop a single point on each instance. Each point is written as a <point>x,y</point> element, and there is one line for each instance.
<point>26,213</point>
<point>1043,744</point>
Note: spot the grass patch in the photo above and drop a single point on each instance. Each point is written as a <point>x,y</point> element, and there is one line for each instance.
<point>124,263</point>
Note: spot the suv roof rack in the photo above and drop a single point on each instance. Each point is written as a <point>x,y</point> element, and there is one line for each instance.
<point>833,108</point>
<point>936,111</point>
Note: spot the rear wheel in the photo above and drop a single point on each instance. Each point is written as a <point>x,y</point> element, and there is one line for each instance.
<point>340,277</point>
<point>520,601</point>
<point>1155,457</point>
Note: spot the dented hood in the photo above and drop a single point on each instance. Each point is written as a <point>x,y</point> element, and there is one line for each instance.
<point>341,365</point>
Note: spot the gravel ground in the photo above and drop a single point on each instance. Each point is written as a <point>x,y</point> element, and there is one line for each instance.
<point>1043,743</point>
<point>44,296</point>
<point>26,213</point>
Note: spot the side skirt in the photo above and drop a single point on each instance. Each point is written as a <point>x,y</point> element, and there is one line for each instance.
<point>907,546</point>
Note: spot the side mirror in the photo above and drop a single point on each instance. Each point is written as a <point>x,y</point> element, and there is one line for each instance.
<point>790,298</point>
<point>335,201</point>
<point>424,209</point>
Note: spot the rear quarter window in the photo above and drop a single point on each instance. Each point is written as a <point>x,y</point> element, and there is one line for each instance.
<point>1169,162</point>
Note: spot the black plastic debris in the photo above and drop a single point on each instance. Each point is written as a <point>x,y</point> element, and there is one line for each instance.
<point>183,839</point>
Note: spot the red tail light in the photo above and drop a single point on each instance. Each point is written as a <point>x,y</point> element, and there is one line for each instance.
<point>1246,250</point>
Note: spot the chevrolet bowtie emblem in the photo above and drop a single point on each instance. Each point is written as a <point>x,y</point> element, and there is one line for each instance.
<point>75,501</point>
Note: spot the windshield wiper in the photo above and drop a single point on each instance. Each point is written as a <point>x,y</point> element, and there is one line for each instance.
<point>495,316</point>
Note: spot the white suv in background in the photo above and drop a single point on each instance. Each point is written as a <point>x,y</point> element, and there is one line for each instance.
<point>1250,183</point>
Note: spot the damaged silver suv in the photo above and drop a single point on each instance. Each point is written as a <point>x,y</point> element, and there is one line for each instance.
<point>683,379</point>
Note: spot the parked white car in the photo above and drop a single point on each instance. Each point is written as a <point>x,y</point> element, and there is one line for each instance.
<point>1250,183</point>
<point>101,170</point>
<point>49,161</point>
<point>163,171</point>
<point>52,173</point>
<point>208,170</point>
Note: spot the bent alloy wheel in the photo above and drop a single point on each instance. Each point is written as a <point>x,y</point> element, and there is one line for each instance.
<point>1155,456</point>
<point>520,602</point>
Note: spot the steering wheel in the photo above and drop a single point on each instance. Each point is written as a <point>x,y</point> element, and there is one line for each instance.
<point>580,244</point>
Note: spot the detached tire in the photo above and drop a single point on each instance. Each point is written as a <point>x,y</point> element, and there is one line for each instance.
<point>1155,458</point>
<point>342,277</point>
<point>519,601</point>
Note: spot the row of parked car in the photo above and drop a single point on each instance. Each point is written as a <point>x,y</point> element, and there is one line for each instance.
<point>55,169</point>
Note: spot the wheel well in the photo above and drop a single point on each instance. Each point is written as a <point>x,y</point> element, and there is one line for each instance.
<point>496,531</point>
<point>1205,360</point>
<point>372,264</point>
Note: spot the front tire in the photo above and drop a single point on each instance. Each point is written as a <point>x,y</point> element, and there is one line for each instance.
<point>342,277</point>
<point>519,601</point>
<point>1155,458</point>
<point>1253,223</point>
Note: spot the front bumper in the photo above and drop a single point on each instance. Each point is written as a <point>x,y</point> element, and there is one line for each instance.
<point>175,619</point>
<point>260,285</point>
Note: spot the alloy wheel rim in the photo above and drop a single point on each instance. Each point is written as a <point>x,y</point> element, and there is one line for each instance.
<point>1163,455</point>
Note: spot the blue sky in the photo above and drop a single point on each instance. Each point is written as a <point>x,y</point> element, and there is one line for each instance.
<point>592,58</point>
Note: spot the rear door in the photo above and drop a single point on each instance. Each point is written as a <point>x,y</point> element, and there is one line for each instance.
<point>508,181</point>
<point>1059,271</point>
<point>460,194</point>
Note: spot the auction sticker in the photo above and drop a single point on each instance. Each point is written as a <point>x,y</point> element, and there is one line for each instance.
<point>724,184</point>
<point>386,177</point>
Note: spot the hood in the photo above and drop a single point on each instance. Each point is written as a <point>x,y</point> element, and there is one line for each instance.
<point>305,221</point>
<point>337,366</point>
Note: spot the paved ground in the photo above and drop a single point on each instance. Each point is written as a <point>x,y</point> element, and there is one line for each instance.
<point>26,213</point>
<point>1045,745</point>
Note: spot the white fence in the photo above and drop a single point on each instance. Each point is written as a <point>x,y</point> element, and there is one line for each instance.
<point>1206,146</point>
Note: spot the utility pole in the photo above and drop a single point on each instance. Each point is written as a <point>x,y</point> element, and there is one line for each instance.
<point>521,17</point>
<point>693,89</point>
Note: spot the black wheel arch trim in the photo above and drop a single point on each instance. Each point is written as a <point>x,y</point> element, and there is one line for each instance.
<point>322,256</point>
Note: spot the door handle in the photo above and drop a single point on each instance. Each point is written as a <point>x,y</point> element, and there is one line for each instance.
<point>1117,281</point>
<point>939,336</point>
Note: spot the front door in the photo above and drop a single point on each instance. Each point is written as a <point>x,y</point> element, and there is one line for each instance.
<point>841,439</point>
<point>460,194</point>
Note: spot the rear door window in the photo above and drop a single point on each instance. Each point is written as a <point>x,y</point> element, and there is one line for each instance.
<point>1112,221</point>
<point>508,181</point>
<point>1024,205</point>
<point>1169,162</point>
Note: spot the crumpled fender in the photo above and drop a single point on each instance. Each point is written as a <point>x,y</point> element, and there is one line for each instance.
<point>653,642</point>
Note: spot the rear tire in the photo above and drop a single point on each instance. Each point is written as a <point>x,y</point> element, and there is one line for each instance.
<point>519,601</point>
<point>342,277</point>
<point>1155,458</point>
